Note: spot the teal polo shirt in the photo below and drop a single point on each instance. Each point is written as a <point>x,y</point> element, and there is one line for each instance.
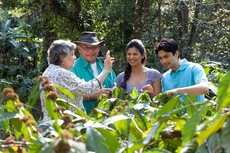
<point>187,74</point>
<point>83,70</point>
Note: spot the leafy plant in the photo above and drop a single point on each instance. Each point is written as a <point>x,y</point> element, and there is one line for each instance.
<point>125,122</point>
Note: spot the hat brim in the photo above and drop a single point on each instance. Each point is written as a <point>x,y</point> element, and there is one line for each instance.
<point>87,43</point>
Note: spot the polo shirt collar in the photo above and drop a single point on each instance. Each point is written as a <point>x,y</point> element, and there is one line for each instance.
<point>183,65</point>
<point>84,62</point>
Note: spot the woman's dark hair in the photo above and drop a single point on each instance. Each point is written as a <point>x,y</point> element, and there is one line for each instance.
<point>141,48</point>
<point>168,45</point>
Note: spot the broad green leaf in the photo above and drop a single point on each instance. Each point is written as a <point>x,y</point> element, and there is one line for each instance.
<point>223,96</point>
<point>189,147</point>
<point>57,127</point>
<point>49,148</point>
<point>111,139</point>
<point>114,119</point>
<point>159,131</point>
<point>119,93</point>
<point>17,125</point>
<point>5,126</point>
<point>225,136</point>
<point>79,111</point>
<point>95,141</point>
<point>134,131</point>
<point>151,133</point>
<point>64,91</point>
<point>190,100</point>
<point>135,93</point>
<point>122,126</point>
<point>202,149</point>
<point>179,122</point>
<point>135,146</point>
<point>26,133</point>
<point>50,108</point>
<point>62,102</point>
<point>33,97</point>
<point>214,127</point>
<point>31,132</point>
<point>140,120</point>
<point>144,97</point>
<point>14,43</point>
<point>175,142</point>
<point>10,106</point>
<point>8,115</point>
<point>78,147</point>
<point>188,132</point>
<point>214,142</point>
<point>167,107</point>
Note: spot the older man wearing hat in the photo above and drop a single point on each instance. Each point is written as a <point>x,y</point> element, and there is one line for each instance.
<point>88,66</point>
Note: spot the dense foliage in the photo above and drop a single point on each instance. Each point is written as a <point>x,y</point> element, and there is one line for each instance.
<point>125,122</point>
<point>202,29</point>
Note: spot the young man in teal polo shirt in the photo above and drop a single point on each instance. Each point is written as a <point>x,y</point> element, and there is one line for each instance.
<point>183,77</point>
<point>88,66</point>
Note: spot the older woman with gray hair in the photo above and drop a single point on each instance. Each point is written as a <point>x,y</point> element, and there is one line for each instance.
<point>61,58</point>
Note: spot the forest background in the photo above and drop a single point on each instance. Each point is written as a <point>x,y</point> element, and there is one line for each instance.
<point>28,27</point>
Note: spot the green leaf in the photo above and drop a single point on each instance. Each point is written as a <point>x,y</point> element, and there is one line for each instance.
<point>144,97</point>
<point>10,106</point>
<point>114,119</point>
<point>95,141</point>
<point>189,147</point>
<point>190,100</point>
<point>188,132</point>
<point>111,139</point>
<point>49,148</point>
<point>167,107</point>
<point>8,115</point>
<point>214,142</point>
<point>78,147</point>
<point>64,91</point>
<point>134,131</point>
<point>225,136</point>
<point>26,134</point>
<point>17,125</point>
<point>122,126</point>
<point>135,146</point>
<point>57,127</point>
<point>202,149</point>
<point>152,132</point>
<point>79,111</point>
<point>135,93</point>
<point>33,97</point>
<point>214,127</point>
<point>223,96</point>
<point>50,108</point>
<point>140,120</point>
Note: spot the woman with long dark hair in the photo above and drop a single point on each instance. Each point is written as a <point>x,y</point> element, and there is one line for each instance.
<point>136,74</point>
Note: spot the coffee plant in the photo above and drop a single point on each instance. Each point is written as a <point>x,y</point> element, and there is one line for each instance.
<point>123,123</point>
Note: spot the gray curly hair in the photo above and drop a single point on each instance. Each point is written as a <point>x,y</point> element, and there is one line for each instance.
<point>58,49</point>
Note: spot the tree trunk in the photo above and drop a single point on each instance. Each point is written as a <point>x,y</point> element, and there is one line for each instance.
<point>160,21</point>
<point>182,15</point>
<point>193,29</point>
<point>141,11</point>
<point>46,29</point>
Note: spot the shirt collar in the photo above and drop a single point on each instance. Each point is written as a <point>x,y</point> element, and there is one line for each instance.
<point>183,65</point>
<point>86,63</point>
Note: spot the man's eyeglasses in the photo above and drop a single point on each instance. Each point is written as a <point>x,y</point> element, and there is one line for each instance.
<point>89,47</point>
